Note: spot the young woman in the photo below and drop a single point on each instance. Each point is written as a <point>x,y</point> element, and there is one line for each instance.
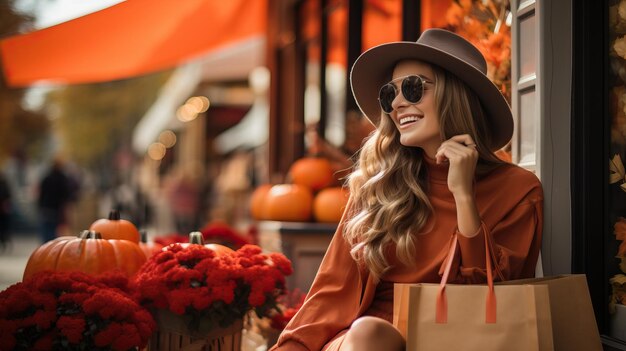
<point>426,174</point>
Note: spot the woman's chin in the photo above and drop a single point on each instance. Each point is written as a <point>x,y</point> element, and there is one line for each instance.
<point>409,142</point>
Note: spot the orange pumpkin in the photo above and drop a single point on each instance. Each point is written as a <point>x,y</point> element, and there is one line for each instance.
<point>219,249</point>
<point>116,228</point>
<point>313,172</point>
<point>148,248</point>
<point>89,253</point>
<point>329,204</point>
<point>196,238</point>
<point>289,202</point>
<point>257,202</point>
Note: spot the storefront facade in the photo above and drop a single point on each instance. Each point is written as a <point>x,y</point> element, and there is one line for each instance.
<point>565,90</point>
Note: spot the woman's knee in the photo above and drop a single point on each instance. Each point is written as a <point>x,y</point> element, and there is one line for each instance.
<point>373,329</point>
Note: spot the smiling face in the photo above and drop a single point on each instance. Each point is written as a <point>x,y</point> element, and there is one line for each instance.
<point>418,123</point>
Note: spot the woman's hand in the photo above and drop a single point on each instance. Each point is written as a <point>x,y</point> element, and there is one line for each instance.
<point>460,151</point>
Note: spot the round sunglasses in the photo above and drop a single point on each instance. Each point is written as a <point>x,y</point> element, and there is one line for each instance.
<point>412,88</point>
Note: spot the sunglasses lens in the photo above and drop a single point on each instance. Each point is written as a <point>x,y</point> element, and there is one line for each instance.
<point>385,96</point>
<point>413,89</point>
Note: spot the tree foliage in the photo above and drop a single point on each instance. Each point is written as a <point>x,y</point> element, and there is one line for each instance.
<point>95,120</point>
<point>20,130</point>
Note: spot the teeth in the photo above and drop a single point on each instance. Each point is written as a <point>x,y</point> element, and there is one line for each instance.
<point>408,119</point>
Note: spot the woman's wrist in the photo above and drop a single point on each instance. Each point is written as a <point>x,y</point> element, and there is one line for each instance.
<point>468,218</point>
<point>463,196</point>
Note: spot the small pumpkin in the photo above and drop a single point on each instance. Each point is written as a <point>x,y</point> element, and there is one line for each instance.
<point>289,202</point>
<point>149,248</point>
<point>313,172</point>
<point>88,253</point>
<point>196,238</point>
<point>257,202</point>
<point>116,228</point>
<point>329,204</point>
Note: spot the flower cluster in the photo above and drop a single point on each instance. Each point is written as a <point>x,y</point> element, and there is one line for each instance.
<point>72,311</point>
<point>171,238</point>
<point>214,232</point>
<point>290,303</point>
<point>218,288</point>
<point>221,233</point>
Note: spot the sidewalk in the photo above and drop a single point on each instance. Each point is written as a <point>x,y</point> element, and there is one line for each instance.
<point>13,260</point>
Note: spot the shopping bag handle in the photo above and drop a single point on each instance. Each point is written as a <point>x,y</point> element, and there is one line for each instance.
<point>442,303</point>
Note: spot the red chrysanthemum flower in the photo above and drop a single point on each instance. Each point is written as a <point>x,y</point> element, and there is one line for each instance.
<point>193,280</point>
<point>72,327</point>
<point>72,309</point>
<point>290,304</point>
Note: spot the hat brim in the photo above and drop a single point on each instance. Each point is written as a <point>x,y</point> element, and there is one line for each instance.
<point>374,68</point>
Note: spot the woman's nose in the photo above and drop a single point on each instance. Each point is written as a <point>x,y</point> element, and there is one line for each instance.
<point>399,101</point>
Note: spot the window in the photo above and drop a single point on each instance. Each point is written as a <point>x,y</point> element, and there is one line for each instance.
<point>525,97</point>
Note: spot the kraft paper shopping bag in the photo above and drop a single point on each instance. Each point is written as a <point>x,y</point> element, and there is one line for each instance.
<point>522,320</point>
<point>474,317</point>
<point>574,326</point>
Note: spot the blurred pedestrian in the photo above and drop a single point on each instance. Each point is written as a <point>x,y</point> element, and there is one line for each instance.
<point>5,212</point>
<point>74,188</point>
<point>182,192</point>
<point>54,195</point>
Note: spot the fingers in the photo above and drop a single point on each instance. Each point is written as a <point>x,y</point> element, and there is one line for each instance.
<point>464,139</point>
<point>457,147</point>
<point>460,151</point>
<point>455,152</point>
<point>448,152</point>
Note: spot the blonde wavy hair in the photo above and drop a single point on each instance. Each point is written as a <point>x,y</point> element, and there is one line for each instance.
<point>389,185</point>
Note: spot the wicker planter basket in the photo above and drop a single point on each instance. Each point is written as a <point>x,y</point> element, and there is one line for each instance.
<point>174,335</point>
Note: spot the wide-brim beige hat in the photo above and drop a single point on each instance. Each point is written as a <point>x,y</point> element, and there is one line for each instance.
<point>445,49</point>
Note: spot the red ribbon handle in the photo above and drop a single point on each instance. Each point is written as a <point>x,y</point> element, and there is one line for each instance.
<point>441,315</point>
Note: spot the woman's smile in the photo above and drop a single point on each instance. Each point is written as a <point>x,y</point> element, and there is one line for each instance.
<point>407,120</point>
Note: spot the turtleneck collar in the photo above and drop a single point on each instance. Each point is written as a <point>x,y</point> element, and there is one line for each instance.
<point>436,172</point>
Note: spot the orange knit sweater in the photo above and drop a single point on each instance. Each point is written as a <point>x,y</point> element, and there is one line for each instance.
<point>509,200</point>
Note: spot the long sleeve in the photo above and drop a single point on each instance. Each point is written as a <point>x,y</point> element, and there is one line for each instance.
<point>515,243</point>
<point>332,303</point>
<point>510,204</point>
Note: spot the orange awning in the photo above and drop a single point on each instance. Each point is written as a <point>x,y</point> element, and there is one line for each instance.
<point>131,38</point>
<point>382,22</point>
